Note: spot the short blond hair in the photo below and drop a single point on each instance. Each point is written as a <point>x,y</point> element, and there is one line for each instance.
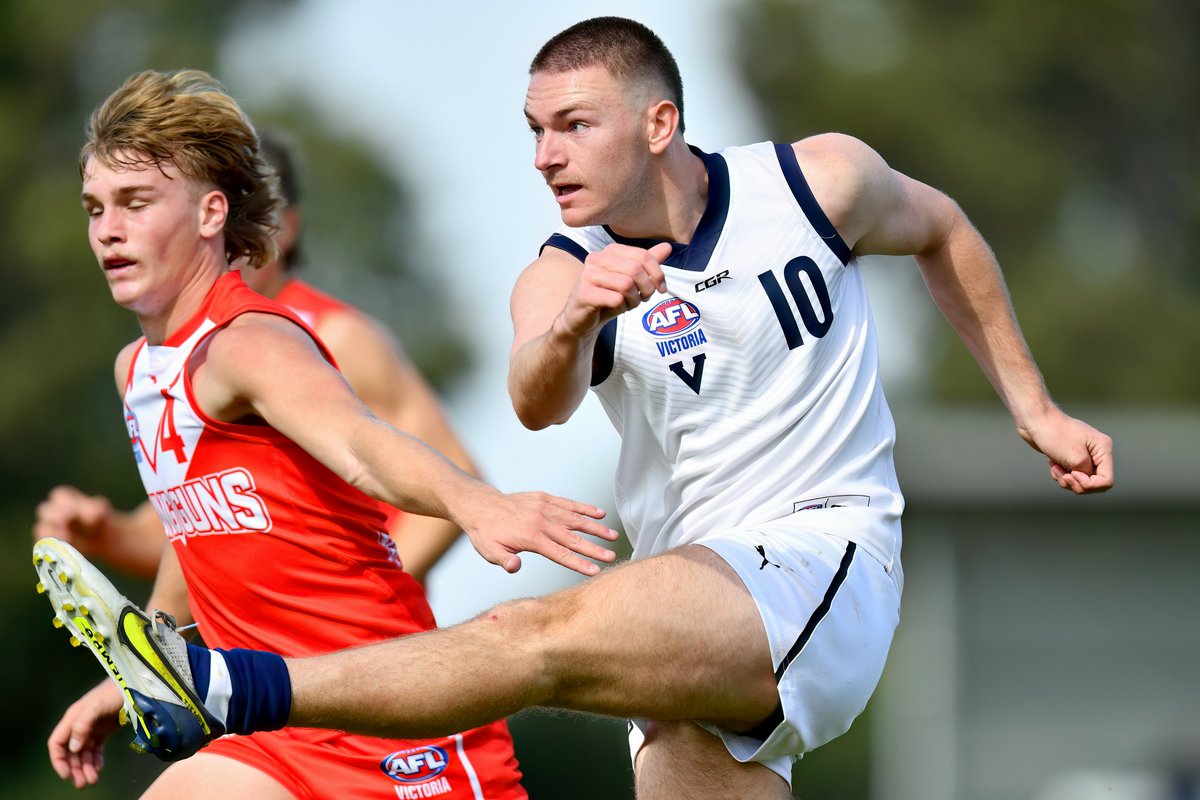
<point>187,118</point>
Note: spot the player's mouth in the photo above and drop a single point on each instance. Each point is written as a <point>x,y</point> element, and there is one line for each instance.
<point>117,264</point>
<point>563,191</point>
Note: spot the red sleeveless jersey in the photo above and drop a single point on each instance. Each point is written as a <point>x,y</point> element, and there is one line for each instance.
<point>279,553</point>
<point>310,303</point>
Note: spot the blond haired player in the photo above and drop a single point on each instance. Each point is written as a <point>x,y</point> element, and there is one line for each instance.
<point>266,471</point>
<point>370,358</point>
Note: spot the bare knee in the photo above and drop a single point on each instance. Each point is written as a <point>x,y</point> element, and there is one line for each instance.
<point>681,759</point>
<point>530,620</point>
<point>536,628</point>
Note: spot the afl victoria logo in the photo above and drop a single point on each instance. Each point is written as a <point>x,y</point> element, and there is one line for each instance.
<point>671,317</point>
<point>415,765</point>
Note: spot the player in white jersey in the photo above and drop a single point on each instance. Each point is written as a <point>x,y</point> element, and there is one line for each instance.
<point>758,356</point>
<point>714,302</point>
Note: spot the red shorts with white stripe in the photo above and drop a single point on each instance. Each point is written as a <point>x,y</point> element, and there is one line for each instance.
<point>317,764</point>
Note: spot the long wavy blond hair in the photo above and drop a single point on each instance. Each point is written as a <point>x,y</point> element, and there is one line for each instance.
<point>187,118</point>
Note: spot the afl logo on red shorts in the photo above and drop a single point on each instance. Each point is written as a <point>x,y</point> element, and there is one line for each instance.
<point>671,317</point>
<point>415,765</point>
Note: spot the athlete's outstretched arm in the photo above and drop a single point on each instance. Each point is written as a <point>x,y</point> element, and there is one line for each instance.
<point>558,308</point>
<point>265,366</point>
<point>377,368</point>
<point>880,211</point>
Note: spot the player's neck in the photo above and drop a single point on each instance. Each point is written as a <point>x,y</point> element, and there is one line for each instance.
<point>674,201</point>
<point>160,323</point>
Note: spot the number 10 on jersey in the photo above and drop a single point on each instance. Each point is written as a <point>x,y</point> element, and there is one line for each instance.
<point>818,327</point>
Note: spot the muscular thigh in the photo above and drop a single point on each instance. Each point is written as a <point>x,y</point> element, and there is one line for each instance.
<point>676,636</point>
<point>205,775</point>
<point>680,759</point>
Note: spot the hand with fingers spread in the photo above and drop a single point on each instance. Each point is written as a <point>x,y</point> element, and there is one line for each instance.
<point>77,742</point>
<point>616,279</point>
<point>1081,457</point>
<point>536,522</point>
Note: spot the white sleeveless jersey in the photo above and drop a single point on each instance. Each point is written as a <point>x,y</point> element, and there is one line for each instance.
<point>750,391</point>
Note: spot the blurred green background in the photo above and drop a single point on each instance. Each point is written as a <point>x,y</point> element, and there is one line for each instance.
<point>1069,132</point>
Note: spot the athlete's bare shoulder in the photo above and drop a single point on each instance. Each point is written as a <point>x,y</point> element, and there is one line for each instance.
<point>255,336</point>
<point>832,143</point>
<point>851,181</point>
<point>255,356</point>
<point>372,359</point>
<point>844,174</point>
<point>552,260</point>
<point>124,362</point>
<point>348,329</point>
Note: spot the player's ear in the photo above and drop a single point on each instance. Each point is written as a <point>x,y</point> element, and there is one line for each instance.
<point>662,121</point>
<point>214,209</point>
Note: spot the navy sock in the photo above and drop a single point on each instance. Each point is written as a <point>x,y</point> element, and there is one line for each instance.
<point>259,688</point>
<point>200,659</point>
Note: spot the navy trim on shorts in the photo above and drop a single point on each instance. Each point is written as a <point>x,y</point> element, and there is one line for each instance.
<point>764,729</point>
<point>808,203</point>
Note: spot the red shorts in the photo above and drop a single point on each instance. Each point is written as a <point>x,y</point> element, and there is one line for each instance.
<point>317,764</point>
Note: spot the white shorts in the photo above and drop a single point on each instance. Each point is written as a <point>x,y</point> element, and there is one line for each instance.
<point>829,610</point>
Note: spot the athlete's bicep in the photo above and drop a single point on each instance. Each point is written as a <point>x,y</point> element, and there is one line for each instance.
<point>540,294</point>
<point>266,366</point>
<point>911,218</point>
<point>170,592</point>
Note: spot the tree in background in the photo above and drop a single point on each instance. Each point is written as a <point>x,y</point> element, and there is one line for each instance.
<point>1070,134</point>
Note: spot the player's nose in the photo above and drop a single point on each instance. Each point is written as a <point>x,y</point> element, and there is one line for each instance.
<point>106,227</point>
<point>549,152</point>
